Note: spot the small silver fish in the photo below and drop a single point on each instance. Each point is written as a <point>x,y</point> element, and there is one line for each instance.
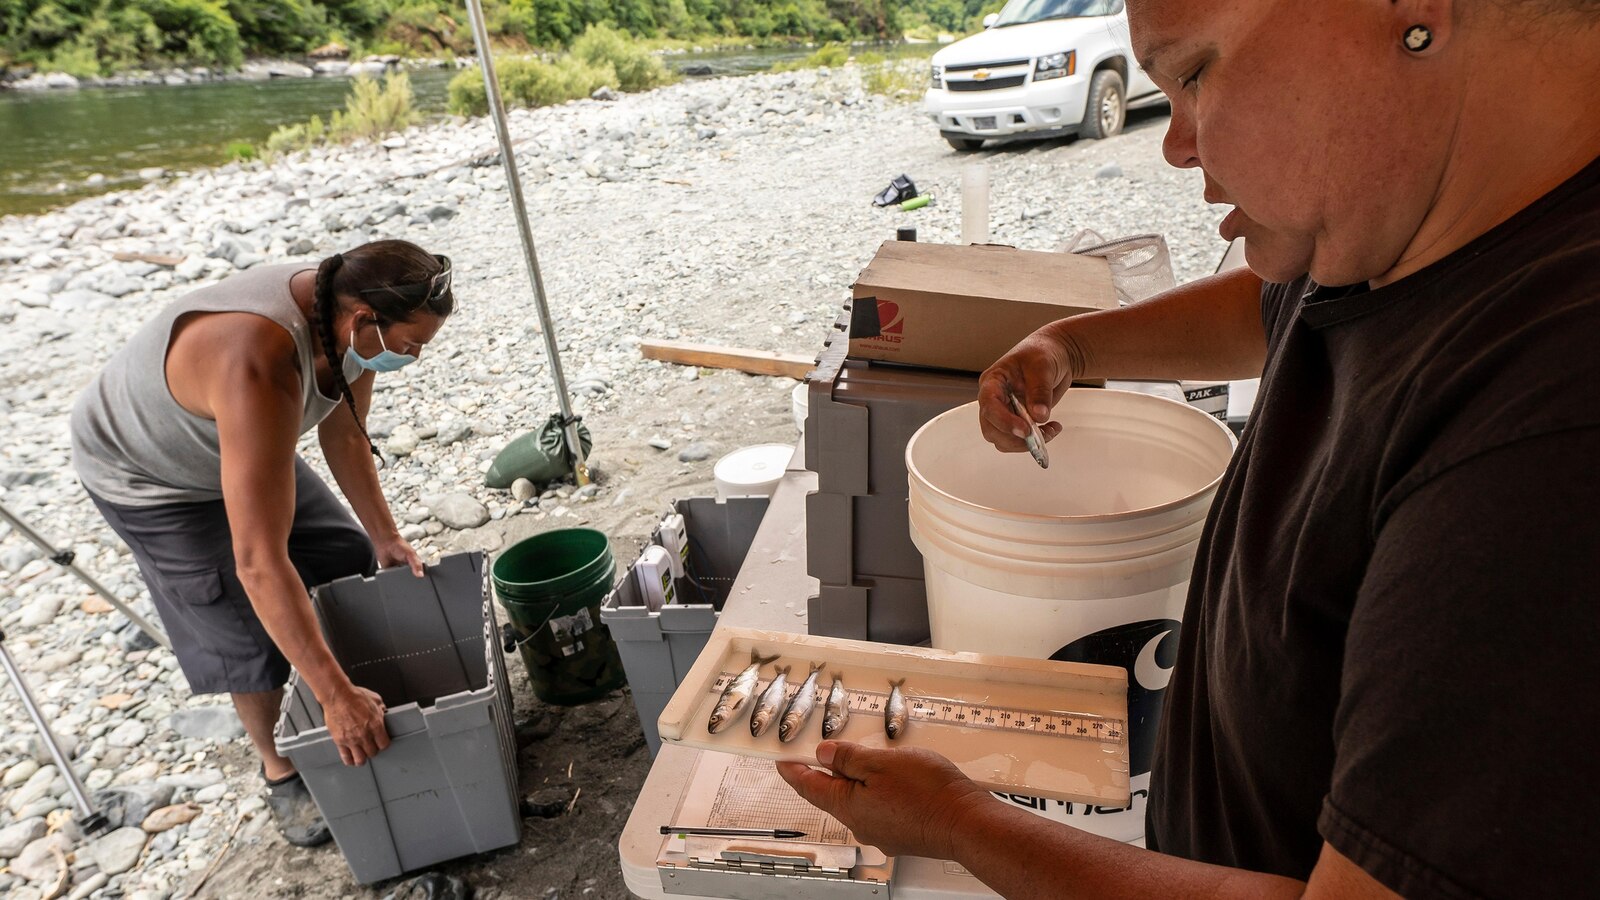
<point>837,711</point>
<point>771,701</point>
<point>737,692</point>
<point>799,711</point>
<point>894,715</point>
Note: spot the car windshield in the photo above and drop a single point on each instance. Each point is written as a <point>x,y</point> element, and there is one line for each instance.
<point>1020,12</point>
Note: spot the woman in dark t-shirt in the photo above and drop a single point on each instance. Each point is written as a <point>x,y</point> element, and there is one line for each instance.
<point>1381,685</point>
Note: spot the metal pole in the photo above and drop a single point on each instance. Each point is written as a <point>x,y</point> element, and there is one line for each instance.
<point>530,257</point>
<point>87,817</point>
<point>64,559</point>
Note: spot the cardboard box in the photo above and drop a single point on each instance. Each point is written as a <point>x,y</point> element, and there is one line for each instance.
<point>963,306</point>
<point>1210,397</point>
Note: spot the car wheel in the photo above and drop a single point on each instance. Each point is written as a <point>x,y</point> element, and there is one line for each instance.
<point>1107,109</point>
<point>961,142</point>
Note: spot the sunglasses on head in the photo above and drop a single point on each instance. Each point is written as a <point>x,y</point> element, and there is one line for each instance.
<point>423,292</point>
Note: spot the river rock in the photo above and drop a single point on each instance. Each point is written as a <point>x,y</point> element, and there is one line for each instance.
<point>19,773</point>
<point>132,804</point>
<point>95,882</point>
<point>36,787</point>
<point>118,851</point>
<point>1109,170</point>
<point>440,212</point>
<point>386,212</point>
<point>332,67</point>
<point>169,817</point>
<point>403,441</point>
<point>117,285</point>
<point>194,781</point>
<point>38,863</point>
<point>604,94</point>
<point>13,838</point>
<point>460,511</point>
<point>207,723</point>
<point>77,301</point>
<point>301,247</point>
<point>40,612</point>
<point>523,490</point>
<point>46,82</point>
<point>369,69</point>
<point>694,453</point>
<point>453,432</point>
<point>66,743</point>
<point>228,248</point>
<point>129,734</point>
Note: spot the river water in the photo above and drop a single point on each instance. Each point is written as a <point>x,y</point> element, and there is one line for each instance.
<point>51,142</point>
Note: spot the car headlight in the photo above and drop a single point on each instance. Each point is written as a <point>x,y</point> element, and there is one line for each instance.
<point>938,77</point>
<point>1055,65</point>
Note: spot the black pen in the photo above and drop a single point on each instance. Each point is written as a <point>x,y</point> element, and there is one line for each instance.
<point>733,832</point>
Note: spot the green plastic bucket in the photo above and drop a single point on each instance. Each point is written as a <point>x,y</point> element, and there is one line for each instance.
<point>551,586</point>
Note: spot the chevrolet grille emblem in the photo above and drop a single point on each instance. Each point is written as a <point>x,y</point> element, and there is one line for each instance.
<point>980,75</point>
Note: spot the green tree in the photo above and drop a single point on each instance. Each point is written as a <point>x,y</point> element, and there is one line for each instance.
<point>278,26</point>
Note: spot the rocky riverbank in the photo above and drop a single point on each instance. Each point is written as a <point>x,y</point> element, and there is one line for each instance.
<point>733,211</point>
<point>254,70</point>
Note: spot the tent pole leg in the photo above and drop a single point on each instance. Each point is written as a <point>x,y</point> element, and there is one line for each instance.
<point>530,256</point>
<point>64,558</point>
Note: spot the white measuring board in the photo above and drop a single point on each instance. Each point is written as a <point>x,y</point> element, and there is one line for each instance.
<point>1037,727</point>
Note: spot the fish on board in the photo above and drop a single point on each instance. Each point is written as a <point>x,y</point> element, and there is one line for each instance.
<point>894,715</point>
<point>799,711</point>
<point>738,692</point>
<point>771,701</point>
<point>836,712</point>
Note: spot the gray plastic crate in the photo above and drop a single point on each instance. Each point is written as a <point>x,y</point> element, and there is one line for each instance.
<point>659,647</point>
<point>447,784</point>
<point>860,416</point>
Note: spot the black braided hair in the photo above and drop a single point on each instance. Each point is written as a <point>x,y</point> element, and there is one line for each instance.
<point>377,264</point>
<point>327,306</point>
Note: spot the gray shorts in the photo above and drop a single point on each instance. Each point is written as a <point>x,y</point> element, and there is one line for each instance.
<point>185,553</point>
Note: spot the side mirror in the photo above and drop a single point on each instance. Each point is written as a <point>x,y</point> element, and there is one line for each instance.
<point>990,19</point>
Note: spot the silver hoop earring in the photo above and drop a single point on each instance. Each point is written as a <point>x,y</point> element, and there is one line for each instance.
<point>1417,38</point>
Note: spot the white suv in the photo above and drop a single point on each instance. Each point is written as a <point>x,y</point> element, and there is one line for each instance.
<point>1042,66</point>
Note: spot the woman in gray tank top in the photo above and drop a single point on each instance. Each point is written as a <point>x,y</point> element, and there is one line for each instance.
<point>186,443</point>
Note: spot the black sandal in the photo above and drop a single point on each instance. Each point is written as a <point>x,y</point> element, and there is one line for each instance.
<point>294,812</point>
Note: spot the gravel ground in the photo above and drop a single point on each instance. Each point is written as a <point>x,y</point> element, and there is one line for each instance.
<point>733,211</point>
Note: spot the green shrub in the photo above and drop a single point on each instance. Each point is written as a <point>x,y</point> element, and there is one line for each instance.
<point>637,68</point>
<point>240,151</point>
<point>896,80</point>
<point>372,111</point>
<point>292,138</point>
<point>530,82</point>
<point>77,59</point>
<point>831,55</point>
<point>466,91</point>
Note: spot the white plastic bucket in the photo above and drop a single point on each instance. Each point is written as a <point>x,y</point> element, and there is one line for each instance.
<point>752,471</point>
<point>798,405</point>
<point>1088,560</point>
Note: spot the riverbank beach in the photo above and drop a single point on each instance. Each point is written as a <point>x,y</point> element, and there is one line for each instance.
<point>729,211</point>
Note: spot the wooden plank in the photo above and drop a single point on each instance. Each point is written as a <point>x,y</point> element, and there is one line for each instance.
<point>710,356</point>
<point>158,259</point>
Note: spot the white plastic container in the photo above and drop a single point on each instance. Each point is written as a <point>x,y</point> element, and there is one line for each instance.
<point>800,404</point>
<point>974,203</point>
<point>752,471</point>
<point>1087,561</point>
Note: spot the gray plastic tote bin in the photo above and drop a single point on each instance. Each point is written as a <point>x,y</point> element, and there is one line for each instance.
<point>447,784</point>
<point>658,647</point>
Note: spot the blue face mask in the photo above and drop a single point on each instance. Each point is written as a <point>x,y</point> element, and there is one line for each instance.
<point>385,361</point>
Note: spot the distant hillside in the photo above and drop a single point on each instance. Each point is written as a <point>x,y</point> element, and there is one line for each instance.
<point>98,37</point>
